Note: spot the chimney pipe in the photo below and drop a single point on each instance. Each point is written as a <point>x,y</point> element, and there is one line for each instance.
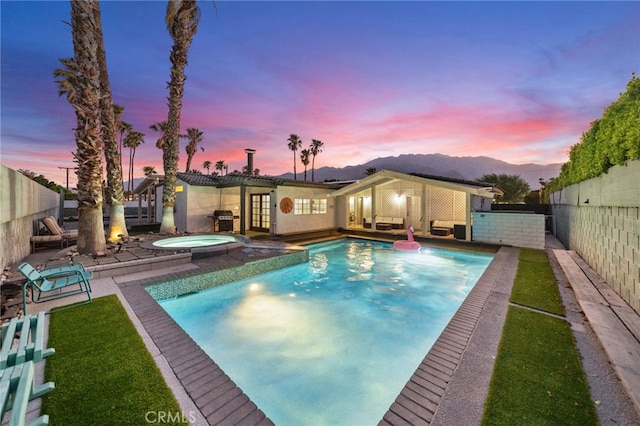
<point>250,153</point>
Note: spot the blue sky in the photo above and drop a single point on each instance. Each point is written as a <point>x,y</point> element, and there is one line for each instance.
<point>517,81</point>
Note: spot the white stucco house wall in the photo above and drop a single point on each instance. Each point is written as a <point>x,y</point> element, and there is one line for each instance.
<point>257,203</point>
<point>284,206</point>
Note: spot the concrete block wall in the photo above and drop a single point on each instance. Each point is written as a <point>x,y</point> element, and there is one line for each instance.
<point>600,220</point>
<point>22,202</point>
<point>513,229</point>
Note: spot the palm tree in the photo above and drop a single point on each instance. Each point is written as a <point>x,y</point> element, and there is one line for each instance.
<point>294,144</point>
<point>149,170</point>
<point>115,197</point>
<point>195,137</point>
<point>123,129</point>
<point>133,140</point>
<point>207,166</point>
<point>220,166</point>
<point>79,80</point>
<point>316,147</point>
<point>245,170</point>
<point>161,127</point>
<point>304,158</point>
<point>121,126</point>
<point>182,19</point>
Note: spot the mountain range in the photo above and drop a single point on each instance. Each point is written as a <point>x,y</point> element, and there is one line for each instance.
<point>466,168</point>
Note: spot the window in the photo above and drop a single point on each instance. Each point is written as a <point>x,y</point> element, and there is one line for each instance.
<point>301,206</point>
<point>307,206</point>
<point>319,206</point>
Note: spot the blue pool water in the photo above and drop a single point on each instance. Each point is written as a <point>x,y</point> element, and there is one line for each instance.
<point>335,340</point>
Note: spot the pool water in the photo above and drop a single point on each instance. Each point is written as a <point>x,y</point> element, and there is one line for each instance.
<point>333,341</point>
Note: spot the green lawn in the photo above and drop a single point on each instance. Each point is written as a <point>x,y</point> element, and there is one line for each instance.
<point>103,372</point>
<point>538,377</point>
<point>534,285</point>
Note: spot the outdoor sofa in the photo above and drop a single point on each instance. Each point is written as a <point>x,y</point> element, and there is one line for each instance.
<point>385,222</point>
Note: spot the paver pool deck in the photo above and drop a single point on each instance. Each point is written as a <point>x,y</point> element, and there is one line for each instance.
<point>448,387</point>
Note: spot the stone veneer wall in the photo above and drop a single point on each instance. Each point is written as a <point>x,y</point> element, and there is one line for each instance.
<point>513,229</point>
<point>600,220</point>
<point>22,202</point>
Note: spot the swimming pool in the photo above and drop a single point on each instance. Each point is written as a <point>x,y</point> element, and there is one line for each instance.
<point>335,340</point>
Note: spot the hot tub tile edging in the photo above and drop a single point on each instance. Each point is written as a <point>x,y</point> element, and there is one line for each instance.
<point>203,280</point>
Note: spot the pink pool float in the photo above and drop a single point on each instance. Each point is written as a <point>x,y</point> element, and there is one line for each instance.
<point>409,244</point>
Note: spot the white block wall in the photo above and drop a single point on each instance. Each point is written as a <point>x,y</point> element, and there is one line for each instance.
<point>600,220</point>
<point>513,229</point>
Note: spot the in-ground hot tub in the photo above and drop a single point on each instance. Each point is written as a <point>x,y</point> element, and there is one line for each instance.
<point>202,245</point>
<point>192,241</point>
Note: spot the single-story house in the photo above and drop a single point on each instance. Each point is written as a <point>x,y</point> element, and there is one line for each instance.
<point>385,200</point>
<point>256,203</point>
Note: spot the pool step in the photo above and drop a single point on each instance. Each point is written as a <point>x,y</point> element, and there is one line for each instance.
<point>138,265</point>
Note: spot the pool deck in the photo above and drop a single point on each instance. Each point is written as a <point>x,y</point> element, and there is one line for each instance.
<point>448,387</point>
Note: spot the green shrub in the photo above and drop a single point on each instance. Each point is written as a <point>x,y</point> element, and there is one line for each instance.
<point>613,139</point>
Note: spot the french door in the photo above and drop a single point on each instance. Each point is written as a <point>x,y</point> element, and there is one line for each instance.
<point>260,212</point>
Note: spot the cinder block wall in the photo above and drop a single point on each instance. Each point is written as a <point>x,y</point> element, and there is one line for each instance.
<point>514,229</point>
<point>600,220</point>
<point>22,202</point>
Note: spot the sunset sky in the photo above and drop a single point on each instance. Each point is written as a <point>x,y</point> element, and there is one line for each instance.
<point>516,81</point>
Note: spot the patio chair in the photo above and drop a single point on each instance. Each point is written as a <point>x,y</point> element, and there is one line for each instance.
<point>54,229</point>
<point>56,233</point>
<point>53,271</point>
<point>55,283</point>
<point>17,388</point>
<point>43,239</point>
<point>28,331</point>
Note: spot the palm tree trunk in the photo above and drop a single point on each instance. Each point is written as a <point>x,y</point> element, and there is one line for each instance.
<point>182,21</point>
<point>295,175</point>
<point>89,151</point>
<point>117,223</point>
<point>133,157</point>
<point>130,177</point>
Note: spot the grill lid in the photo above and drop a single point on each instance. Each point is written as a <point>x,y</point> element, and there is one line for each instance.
<point>223,214</point>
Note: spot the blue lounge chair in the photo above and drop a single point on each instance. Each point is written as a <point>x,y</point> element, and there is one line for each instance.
<point>54,283</point>
<point>17,388</point>
<point>28,333</point>
<point>65,269</point>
